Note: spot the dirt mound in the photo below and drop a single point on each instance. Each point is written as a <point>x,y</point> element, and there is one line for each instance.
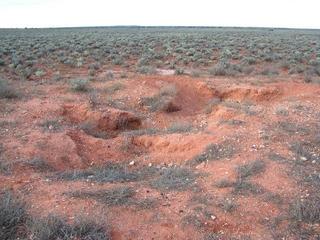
<point>107,119</point>
<point>50,148</point>
<point>251,94</point>
<point>73,150</point>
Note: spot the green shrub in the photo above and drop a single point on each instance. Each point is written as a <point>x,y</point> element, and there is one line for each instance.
<point>225,69</point>
<point>269,72</point>
<point>179,71</point>
<point>40,73</point>
<point>146,70</point>
<point>79,85</point>
<point>219,69</point>
<point>250,60</point>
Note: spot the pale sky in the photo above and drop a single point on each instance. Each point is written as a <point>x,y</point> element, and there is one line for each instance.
<point>73,13</point>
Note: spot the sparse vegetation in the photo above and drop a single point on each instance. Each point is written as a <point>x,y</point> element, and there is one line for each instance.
<point>79,85</point>
<point>281,111</point>
<point>54,227</point>
<point>12,217</point>
<point>293,128</point>
<point>175,179</point>
<point>269,72</point>
<point>179,128</point>
<point>251,169</point>
<point>51,125</point>
<point>146,70</point>
<point>162,101</point>
<point>193,220</point>
<point>212,236</point>
<point>108,173</point>
<point>306,210</point>
<point>224,183</point>
<point>7,91</point>
<point>224,69</point>
<point>242,185</point>
<point>211,48</point>
<point>4,167</point>
<point>244,188</point>
<point>232,122</point>
<point>227,205</point>
<point>180,162</point>
<point>211,104</point>
<point>216,151</point>
<point>39,164</point>
<point>92,130</point>
<point>114,88</point>
<point>112,197</point>
<point>109,76</point>
<point>179,71</point>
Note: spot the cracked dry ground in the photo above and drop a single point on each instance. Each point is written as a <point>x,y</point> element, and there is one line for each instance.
<point>169,157</point>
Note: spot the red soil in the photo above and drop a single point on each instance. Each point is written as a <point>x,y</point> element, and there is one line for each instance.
<point>70,148</point>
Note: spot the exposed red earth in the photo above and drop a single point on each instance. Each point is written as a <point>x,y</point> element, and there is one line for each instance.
<point>196,157</point>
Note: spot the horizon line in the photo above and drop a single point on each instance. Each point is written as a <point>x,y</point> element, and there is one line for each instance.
<point>163,26</point>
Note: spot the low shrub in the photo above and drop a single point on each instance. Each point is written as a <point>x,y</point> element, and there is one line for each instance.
<point>80,85</point>
<point>251,169</point>
<point>7,91</point>
<point>215,151</point>
<point>306,210</point>
<point>175,179</point>
<point>12,217</point>
<point>112,197</point>
<point>56,228</point>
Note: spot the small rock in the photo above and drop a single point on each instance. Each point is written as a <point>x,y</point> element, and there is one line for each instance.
<point>213,217</point>
<point>303,158</point>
